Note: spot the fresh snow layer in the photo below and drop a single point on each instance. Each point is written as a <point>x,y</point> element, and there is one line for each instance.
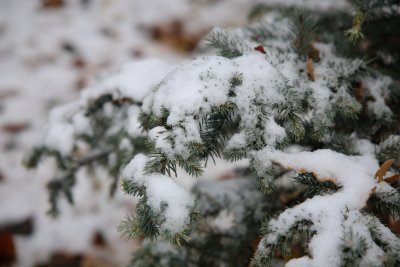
<point>133,80</point>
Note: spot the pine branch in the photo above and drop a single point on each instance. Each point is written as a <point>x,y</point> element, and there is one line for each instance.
<point>149,121</point>
<point>353,249</point>
<point>301,230</point>
<point>216,128</point>
<point>235,154</point>
<point>303,32</point>
<point>342,143</point>
<point>228,44</point>
<point>64,183</point>
<point>386,203</point>
<point>314,186</point>
<point>390,149</point>
<point>386,239</point>
<point>146,222</point>
<point>133,189</point>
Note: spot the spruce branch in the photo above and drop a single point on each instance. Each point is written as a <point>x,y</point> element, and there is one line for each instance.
<point>314,186</point>
<point>342,143</point>
<point>386,239</point>
<point>301,230</point>
<point>390,149</point>
<point>64,183</point>
<point>132,188</point>
<point>57,187</point>
<point>353,249</point>
<point>386,202</point>
<point>303,28</point>
<point>146,222</point>
<point>149,121</point>
<point>228,44</point>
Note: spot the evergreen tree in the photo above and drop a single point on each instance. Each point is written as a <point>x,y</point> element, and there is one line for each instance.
<point>300,98</point>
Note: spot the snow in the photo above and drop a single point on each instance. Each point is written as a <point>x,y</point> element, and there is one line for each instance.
<point>133,80</point>
<point>330,165</point>
<point>159,136</point>
<point>274,132</point>
<point>378,88</point>
<point>223,221</point>
<point>161,190</point>
<point>186,89</point>
<point>236,141</point>
<point>364,147</point>
<point>133,126</point>
<point>60,137</point>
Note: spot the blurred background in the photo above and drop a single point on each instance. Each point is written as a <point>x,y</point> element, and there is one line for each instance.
<point>49,51</point>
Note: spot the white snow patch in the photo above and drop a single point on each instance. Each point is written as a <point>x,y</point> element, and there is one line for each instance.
<point>162,190</point>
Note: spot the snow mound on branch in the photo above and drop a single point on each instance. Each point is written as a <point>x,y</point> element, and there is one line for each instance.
<point>161,190</point>
<point>134,80</point>
<point>333,216</point>
<point>354,173</point>
<point>205,82</point>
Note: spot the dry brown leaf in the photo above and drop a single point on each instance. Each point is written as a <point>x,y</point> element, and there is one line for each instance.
<point>314,54</point>
<point>7,93</point>
<point>14,128</point>
<point>381,172</point>
<point>90,261</point>
<point>99,240</point>
<point>228,175</point>
<point>296,252</point>
<point>359,91</point>
<point>394,225</point>
<point>287,197</point>
<point>373,190</point>
<point>7,249</point>
<point>260,49</point>
<point>392,178</point>
<point>310,69</point>
<point>79,63</point>
<point>174,35</point>
<point>52,3</point>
